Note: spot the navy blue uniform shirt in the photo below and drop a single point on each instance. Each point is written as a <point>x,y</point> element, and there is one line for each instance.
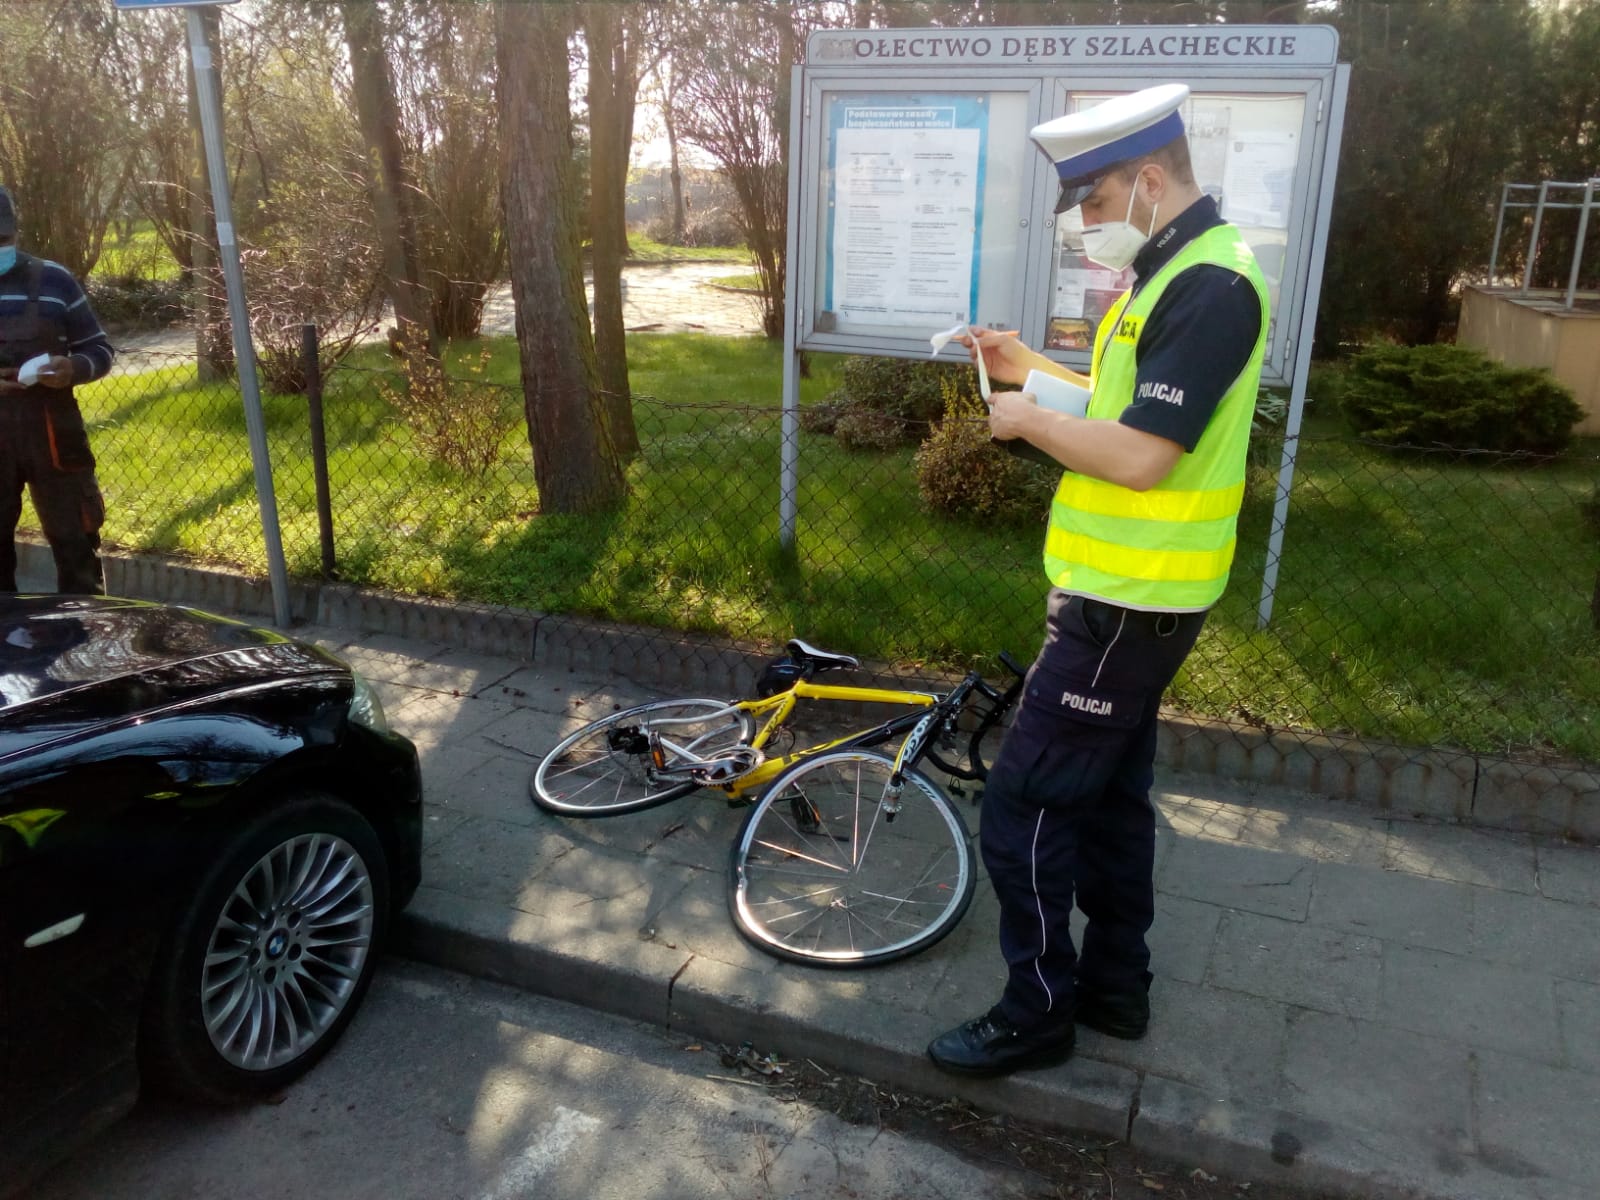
<point>1198,338</point>
<point>60,295</point>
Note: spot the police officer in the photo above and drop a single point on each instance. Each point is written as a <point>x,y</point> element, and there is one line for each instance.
<point>1138,547</point>
<point>43,444</point>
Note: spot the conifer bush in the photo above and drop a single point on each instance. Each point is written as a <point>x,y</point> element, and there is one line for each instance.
<point>1453,397</point>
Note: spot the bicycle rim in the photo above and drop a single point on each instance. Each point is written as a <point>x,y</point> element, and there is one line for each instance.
<point>606,767</point>
<point>820,876</point>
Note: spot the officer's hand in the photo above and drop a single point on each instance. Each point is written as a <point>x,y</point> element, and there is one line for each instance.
<point>8,381</point>
<point>1004,357</point>
<point>1010,413</point>
<point>57,373</point>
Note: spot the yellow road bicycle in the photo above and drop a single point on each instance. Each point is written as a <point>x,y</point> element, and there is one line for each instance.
<point>848,856</point>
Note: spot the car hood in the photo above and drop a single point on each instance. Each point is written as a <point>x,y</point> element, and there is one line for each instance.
<point>134,654</point>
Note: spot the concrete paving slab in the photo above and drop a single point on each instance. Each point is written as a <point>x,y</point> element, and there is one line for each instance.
<point>1578,1019</point>
<point>1394,906</point>
<point>1357,1073</point>
<point>1320,969</point>
<point>1468,1001</point>
<point>487,785</point>
<point>525,733</point>
<point>1229,1045</point>
<point>437,720</point>
<point>492,861</point>
<point>1243,877</point>
<point>1536,1120</point>
<point>1568,872</point>
<point>1489,858</point>
<point>1182,938</point>
<point>1541,936</point>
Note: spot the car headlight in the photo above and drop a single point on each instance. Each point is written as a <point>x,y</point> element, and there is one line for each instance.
<point>365,707</point>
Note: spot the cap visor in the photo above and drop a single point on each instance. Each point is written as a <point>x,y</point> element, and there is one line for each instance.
<point>1074,194</point>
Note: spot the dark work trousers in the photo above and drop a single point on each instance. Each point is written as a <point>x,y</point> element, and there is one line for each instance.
<point>1067,806</point>
<point>43,446</point>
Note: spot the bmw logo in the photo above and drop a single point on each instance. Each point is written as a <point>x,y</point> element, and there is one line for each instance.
<point>276,944</point>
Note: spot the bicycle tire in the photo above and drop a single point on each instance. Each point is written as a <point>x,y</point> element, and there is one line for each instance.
<point>588,774</point>
<point>855,889</point>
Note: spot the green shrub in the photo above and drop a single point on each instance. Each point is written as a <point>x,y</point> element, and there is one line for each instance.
<point>905,394</point>
<point>962,473</point>
<point>1426,397</point>
<point>820,418</point>
<point>860,428</point>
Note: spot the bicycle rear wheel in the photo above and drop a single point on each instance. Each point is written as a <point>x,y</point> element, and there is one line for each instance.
<point>821,875</point>
<point>607,767</point>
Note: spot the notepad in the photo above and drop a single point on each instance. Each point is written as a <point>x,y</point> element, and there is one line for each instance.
<point>1057,394</point>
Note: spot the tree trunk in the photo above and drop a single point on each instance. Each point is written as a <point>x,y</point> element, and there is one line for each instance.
<point>608,182</point>
<point>669,119</point>
<point>393,187</point>
<point>575,463</point>
<point>213,335</point>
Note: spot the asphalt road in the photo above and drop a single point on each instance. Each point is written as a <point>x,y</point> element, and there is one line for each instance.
<point>448,1087</point>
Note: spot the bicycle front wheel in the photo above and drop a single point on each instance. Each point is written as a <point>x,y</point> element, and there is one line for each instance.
<point>823,874</point>
<point>610,766</point>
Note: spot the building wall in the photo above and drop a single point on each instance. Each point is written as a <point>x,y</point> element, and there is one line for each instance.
<point>1536,331</point>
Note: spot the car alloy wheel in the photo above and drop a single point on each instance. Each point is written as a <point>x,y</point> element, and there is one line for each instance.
<point>287,951</point>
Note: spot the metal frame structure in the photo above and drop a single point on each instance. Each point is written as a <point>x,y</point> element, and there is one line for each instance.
<point>1587,205</point>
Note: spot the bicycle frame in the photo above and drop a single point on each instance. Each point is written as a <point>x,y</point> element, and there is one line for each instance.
<point>772,712</point>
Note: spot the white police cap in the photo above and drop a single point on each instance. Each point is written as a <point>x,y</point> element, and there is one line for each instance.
<point>1085,145</point>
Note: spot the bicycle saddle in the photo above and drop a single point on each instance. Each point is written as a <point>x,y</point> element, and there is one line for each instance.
<point>823,660</point>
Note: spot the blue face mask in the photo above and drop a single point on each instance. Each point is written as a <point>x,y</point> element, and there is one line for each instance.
<point>8,258</point>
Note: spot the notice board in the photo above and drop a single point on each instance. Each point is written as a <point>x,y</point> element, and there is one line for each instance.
<point>918,200</point>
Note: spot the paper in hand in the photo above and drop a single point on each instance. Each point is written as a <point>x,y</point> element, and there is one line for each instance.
<point>940,340</point>
<point>28,372</point>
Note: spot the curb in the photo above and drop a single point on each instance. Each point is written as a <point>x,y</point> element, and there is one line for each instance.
<point>1430,783</point>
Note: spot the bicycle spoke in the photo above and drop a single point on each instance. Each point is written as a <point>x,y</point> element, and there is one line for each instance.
<point>796,854</point>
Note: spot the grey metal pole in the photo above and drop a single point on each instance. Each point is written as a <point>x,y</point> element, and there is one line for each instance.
<point>1577,247</point>
<point>1533,241</point>
<point>233,275</point>
<point>789,467</point>
<point>1302,351</point>
<point>1499,224</point>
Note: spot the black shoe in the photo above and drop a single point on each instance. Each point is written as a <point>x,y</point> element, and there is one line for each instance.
<point>992,1045</point>
<point>1124,1014</point>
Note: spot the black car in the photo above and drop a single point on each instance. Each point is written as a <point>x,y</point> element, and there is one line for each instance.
<point>205,830</point>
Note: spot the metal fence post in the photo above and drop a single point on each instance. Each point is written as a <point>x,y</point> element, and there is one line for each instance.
<point>311,359</point>
<point>1577,246</point>
<point>1533,241</point>
<point>1499,225</point>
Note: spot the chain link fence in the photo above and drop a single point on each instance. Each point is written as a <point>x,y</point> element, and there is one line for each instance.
<point>1424,599</point>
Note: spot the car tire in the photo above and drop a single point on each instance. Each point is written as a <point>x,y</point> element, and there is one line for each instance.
<point>262,970</point>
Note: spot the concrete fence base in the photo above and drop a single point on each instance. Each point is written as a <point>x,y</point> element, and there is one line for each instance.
<point>1561,800</point>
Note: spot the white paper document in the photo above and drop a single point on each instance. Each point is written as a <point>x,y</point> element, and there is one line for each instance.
<point>28,372</point>
<point>905,213</point>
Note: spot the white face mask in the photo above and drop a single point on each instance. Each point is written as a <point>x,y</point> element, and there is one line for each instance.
<point>1113,244</point>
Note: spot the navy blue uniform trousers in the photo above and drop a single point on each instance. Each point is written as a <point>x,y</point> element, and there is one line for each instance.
<point>1067,812</point>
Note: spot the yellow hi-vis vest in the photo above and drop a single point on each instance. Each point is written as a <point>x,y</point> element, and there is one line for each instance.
<point>1168,549</point>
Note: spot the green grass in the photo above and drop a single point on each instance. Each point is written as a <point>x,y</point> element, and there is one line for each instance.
<point>747,283</point>
<point>643,249</point>
<point>1423,603</point>
<point>143,255</point>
